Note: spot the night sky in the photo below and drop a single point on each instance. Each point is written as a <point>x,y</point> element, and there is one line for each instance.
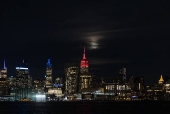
<point>114,33</point>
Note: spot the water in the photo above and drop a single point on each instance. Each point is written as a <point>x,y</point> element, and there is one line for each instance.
<point>85,107</point>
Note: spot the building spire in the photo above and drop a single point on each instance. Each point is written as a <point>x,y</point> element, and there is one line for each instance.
<point>49,61</point>
<point>84,54</point>
<point>161,80</point>
<point>84,61</point>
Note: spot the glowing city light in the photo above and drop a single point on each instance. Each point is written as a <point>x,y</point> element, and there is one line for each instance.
<point>22,68</point>
<point>40,96</point>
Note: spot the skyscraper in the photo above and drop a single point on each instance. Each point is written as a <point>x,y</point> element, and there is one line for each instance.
<point>85,77</point>
<point>161,80</point>
<point>3,80</point>
<point>38,86</point>
<point>3,72</point>
<point>71,74</point>
<point>48,76</point>
<point>22,79</point>
<point>12,85</point>
<point>84,64</point>
<point>122,73</point>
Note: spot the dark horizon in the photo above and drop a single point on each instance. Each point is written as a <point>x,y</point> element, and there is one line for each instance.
<point>114,33</point>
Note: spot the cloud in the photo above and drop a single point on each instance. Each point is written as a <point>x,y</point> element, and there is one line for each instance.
<point>100,32</point>
<point>108,61</point>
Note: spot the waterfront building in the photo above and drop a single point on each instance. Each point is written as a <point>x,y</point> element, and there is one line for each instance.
<point>55,91</point>
<point>12,84</point>
<point>38,86</point>
<point>22,79</point>
<point>38,93</point>
<point>120,91</point>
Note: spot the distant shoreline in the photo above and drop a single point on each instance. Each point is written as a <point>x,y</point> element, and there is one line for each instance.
<point>82,101</point>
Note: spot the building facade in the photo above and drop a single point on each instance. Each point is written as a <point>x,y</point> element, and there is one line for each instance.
<point>58,83</point>
<point>12,85</point>
<point>3,81</point>
<point>22,85</point>
<point>85,77</point>
<point>48,76</point>
<point>71,74</point>
<point>38,87</point>
<point>122,73</point>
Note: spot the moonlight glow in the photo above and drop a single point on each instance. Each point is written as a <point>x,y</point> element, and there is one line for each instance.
<point>93,41</point>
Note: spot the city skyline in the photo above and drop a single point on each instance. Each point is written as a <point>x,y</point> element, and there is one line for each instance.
<point>114,33</point>
<point>78,64</point>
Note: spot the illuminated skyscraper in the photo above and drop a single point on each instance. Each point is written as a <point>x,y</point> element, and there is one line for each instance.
<point>122,73</point>
<point>38,87</point>
<point>12,84</point>
<point>161,80</point>
<point>48,76</point>
<point>71,74</point>
<point>3,80</point>
<point>85,77</point>
<point>84,64</point>
<point>22,81</point>
<point>3,72</point>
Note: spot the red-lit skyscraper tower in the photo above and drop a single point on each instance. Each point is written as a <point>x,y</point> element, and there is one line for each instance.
<point>85,77</point>
<point>84,63</point>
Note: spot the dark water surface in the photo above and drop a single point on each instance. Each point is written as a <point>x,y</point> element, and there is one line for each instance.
<point>85,107</point>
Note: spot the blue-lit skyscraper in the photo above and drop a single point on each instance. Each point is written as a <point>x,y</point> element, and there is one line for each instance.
<point>48,76</point>
<point>3,80</point>
<point>3,72</point>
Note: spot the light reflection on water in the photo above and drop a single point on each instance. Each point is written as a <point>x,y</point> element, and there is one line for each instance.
<point>81,107</point>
